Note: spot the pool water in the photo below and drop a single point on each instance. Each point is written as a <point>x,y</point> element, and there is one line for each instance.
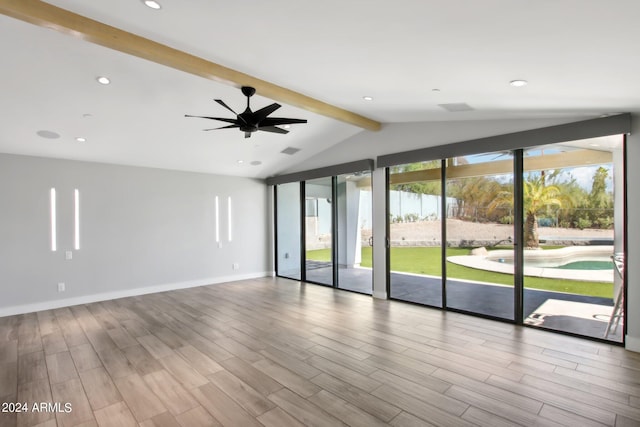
<point>587,265</point>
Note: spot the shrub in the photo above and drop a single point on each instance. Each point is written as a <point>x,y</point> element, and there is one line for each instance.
<point>508,219</point>
<point>583,223</point>
<point>411,217</point>
<point>605,222</point>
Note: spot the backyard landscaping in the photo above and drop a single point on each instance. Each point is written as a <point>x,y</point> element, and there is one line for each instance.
<point>426,260</point>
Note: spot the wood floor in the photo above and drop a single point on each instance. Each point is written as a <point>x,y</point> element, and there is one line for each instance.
<point>279,353</point>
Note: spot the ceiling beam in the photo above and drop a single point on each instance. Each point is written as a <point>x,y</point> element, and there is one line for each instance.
<point>46,15</point>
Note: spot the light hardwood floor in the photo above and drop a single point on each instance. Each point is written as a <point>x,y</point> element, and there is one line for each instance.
<point>278,353</point>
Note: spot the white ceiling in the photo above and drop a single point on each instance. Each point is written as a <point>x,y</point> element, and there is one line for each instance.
<point>579,56</point>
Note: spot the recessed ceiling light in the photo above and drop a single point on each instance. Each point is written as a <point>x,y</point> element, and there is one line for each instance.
<point>152,4</point>
<point>81,139</point>
<point>103,80</point>
<point>435,90</point>
<point>518,83</point>
<point>287,126</point>
<point>367,98</point>
<point>240,162</point>
<point>256,163</point>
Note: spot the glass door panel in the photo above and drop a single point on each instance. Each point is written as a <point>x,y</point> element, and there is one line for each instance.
<point>319,231</point>
<point>288,237</point>
<point>415,228</point>
<point>573,226</point>
<point>479,230</point>
<point>354,232</point>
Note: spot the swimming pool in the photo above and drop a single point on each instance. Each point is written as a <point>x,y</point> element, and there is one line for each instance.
<point>588,263</point>
<point>566,260</point>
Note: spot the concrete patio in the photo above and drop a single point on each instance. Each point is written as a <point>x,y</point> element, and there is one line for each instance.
<point>577,314</point>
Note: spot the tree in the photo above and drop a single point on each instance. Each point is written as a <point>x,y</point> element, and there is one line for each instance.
<point>473,194</point>
<point>599,198</point>
<point>538,196</point>
<point>600,201</point>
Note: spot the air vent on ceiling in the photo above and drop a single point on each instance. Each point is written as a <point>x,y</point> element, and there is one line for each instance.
<point>290,151</point>
<point>456,107</point>
<point>48,134</point>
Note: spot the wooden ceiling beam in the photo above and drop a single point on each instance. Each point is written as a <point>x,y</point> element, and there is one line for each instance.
<point>46,15</point>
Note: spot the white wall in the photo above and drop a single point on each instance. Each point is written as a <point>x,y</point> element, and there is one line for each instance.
<point>633,237</point>
<point>142,230</point>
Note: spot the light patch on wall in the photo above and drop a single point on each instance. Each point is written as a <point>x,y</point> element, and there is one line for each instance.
<point>229,218</point>
<point>52,216</point>
<point>217,218</point>
<point>76,219</point>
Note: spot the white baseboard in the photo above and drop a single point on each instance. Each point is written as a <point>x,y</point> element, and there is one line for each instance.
<point>105,296</point>
<point>632,343</point>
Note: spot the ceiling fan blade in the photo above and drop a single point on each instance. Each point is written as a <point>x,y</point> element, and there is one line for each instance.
<point>224,127</point>
<point>221,102</point>
<point>275,121</point>
<point>272,129</point>
<point>222,119</point>
<point>239,117</point>
<point>262,113</point>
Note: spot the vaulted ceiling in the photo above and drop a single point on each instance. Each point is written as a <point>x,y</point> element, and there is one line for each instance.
<point>410,56</point>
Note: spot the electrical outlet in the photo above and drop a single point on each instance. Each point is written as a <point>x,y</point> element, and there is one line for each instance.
<point>219,244</point>
<point>61,287</point>
<point>236,266</point>
<point>68,255</point>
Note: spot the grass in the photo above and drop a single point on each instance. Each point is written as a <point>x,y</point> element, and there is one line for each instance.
<point>426,260</point>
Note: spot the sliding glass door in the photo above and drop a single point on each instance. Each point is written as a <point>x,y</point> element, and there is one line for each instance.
<point>531,235</point>
<point>354,232</point>
<point>324,231</point>
<point>288,235</point>
<point>318,208</point>
<point>573,228</point>
<point>480,252</point>
<point>415,226</point>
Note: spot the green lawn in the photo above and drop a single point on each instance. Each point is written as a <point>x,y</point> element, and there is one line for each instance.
<point>426,260</point>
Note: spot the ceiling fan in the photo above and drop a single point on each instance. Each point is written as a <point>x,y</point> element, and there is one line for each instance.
<point>251,121</point>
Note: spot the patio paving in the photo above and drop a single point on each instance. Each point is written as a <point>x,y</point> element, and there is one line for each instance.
<point>578,314</point>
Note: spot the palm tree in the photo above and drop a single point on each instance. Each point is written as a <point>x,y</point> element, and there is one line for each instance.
<point>538,196</point>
